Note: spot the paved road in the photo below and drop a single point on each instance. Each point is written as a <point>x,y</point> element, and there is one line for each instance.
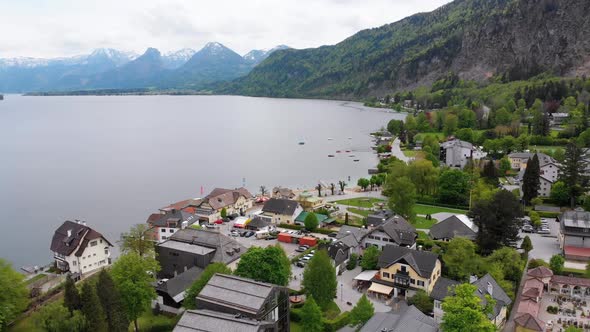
<point>544,246</point>
<point>397,152</point>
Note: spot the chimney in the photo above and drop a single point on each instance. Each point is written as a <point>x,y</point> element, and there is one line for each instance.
<point>69,232</point>
<point>490,289</point>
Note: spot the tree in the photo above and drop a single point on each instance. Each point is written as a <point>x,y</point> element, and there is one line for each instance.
<point>572,172</point>
<point>490,172</point>
<point>72,299</point>
<point>263,191</point>
<point>509,261</point>
<point>363,183</point>
<point>450,124</point>
<point>422,301</point>
<point>495,220</point>
<point>362,312</point>
<point>133,276</point>
<point>453,187</point>
<point>312,314</point>
<point>54,317</point>
<point>461,260</point>
<point>14,296</point>
<point>526,245</point>
<point>535,219</point>
<point>332,188</point>
<point>533,263</point>
<point>370,258</point>
<point>319,279</point>
<point>111,302</point>
<point>190,296</point>
<point>464,312</point>
<point>556,264</point>
<point>223,213</point>
<point>138,240</point>
<point>268,264</point>
<point>402,196</point>
<point>342,184</point>
<point>424,176</point>
<point>531,181</point>
<point>311,222</point>
<point>573,329</point>
<point>319,189</point>
<point>395,127</point>
<point>505,165</point>
<point>92,309</point>
<point>560,194</point>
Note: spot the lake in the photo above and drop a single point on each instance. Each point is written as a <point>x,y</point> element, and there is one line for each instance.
<point>113,160</point>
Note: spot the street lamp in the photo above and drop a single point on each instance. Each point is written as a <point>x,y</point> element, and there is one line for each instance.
<point>341,292</point>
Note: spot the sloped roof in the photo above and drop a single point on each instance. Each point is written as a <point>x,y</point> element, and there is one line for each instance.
<point>357,234</point>
<point>456,143</point>
<point>540,272</point>
<point>421,261</point>
<point>213,321</point>
<point>530,322</point>
<point>398,229</point>
<point>573,218</point>
<point>497,293</point>
<point>240,293</point>
<point>80,234</point>
<point>280,206</point>
<point>226,248</point>
<point>450,228</point>
<point>258,222</point>
<point>171,218</point>
<point>177,286</point>
<point>411,319</point>
<point>442,288</point>
<point>338,251</point>
<point>220,198</point>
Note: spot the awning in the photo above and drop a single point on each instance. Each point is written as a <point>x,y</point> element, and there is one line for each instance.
<point>381,289</point>
<point>577,251</point>
<point>366,275</point>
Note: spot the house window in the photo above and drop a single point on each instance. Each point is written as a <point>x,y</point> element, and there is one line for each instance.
<point>94,254</point>
<point>106,251</point>
<point>100,240</point>
<point>420,283</point>
<point>163,230</point>
<point>403,268</point>
<point>412,281</point>
<point>74,263</point>
<point>164,237</point>
<point>93,243</point>
<point>385,274</point>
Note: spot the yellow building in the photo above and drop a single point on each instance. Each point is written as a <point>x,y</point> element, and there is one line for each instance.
<point>310,202</point>
<point>403,271</point>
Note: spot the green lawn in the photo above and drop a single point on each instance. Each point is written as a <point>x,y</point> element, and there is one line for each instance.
<point>410,153</point>
<point>365,202</point>
<point>363,213</point>
<point>420,136</point>
<point>332,311</point>
<point>296,327</point>
<point>26,324</point>
<point>149,322</point>
<point>422,235</point>
<point>575,272</point>
<point>35,278</point>
<point>422,223</point>
<point>430,209</point>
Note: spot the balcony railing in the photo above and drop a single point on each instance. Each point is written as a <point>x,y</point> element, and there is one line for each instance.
<point>401,278</point>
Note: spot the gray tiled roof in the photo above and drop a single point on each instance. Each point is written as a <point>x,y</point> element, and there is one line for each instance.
<point>186,247</point>
<point>422,262</point>
<point>579,219</point>
<point>211,321</point>
<point>357,234</point>
<point>280,206</point>
<point>338,251</point>
<point>176,286</point>
<point>498,294</point>
<point>227,249</point>
<point>411,319</point>
<point>450,228</point>
<point>441,288</point>
<point>399,230</point>
<point>232,291</point>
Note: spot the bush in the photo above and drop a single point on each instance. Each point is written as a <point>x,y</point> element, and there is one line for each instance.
<point>548,214</point>
<point>352,262</point>
<point>533,263</point>
<point>552,309</point>
<point>295,315</point>
<point>333,325</point>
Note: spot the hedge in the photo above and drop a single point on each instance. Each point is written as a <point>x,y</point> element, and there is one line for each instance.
<point>333,325</point>
<point>295,315</point>
<point>545,214</point>
<point>433,202</point>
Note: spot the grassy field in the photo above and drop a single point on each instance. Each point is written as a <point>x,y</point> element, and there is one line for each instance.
<point>422,235</point>
<point>296,327</point>
<point>430,209</point>
<point>35,278</point>
<point>365,202</point>
<point>363,213</point>
<point>149,322</point>
<point>422,223</point>
<point>420,136</point>
<point>410,153</point>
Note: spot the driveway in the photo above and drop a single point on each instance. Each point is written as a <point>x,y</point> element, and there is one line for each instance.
<point>544,245</point>
<point>397,152</point>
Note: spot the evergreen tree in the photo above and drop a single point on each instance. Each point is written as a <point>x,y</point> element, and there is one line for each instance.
<point>312,316</point>
<point>556,264</point>
<point>490,172</point>
<point>362,312</point>
<point>92,308</point>
<point>526,245</point>
<point>71,295</point>
<point>111,302</point>
<point>572,172</point>
<point>319,279</point>
<point>531,181</point>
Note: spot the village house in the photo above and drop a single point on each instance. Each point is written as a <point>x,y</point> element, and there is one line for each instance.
<point>394,231</point>
<point>168,221</point>
<point>279,211</point>
<point>404,271</point>
<point>309,202</point>
<point>213,321</point>
<point>79,249</point>
<point>486,285</point>
<point>574,234</point>
<point>548,169</point>
<point>407,319</point>
<point>527,309</point>
<point>458,225</point>
<point>352,237</point>
<point>456,153</point>
<point>339,252</point>
<point>245,299</point>
<point>234,201</point>
<point>283,193</point>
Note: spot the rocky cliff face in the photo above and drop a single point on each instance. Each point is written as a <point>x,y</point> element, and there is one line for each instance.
<point>476,39</point>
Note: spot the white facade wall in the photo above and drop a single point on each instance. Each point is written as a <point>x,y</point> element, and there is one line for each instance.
<point>94,257</point>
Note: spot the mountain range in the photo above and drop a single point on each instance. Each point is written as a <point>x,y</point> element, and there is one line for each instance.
<point>113,69</point>
<point>478,40</point>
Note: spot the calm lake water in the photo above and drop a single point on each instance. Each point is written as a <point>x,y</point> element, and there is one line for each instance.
<point>114,160</point>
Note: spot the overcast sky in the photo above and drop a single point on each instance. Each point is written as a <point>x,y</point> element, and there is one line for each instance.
<point>53,28</point>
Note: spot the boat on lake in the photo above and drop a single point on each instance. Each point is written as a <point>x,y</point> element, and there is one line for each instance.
<point>330,138</point>
<point>301,143</point>
<point>331,155</point>
<point>356,160</point>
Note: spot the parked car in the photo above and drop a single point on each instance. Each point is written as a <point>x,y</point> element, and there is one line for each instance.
<point>300,263</point>
<point>234,234</point>
<point>249,234</point>
<point>305,258</point>
<point>528,229</point>
<point>233,216</point>
<point>301,249</point>
<point>333,234</point>
<point>242,234</point>
<point>272,237</point>
<point>544,230</point>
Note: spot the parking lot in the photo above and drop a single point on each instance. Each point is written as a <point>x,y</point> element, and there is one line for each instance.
<point>544,245</point>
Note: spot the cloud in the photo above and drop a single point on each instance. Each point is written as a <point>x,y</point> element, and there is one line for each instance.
<point>43,28</point>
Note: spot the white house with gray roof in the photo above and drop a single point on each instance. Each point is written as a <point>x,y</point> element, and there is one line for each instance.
<point>456,153</point>
<point>548,167</point>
